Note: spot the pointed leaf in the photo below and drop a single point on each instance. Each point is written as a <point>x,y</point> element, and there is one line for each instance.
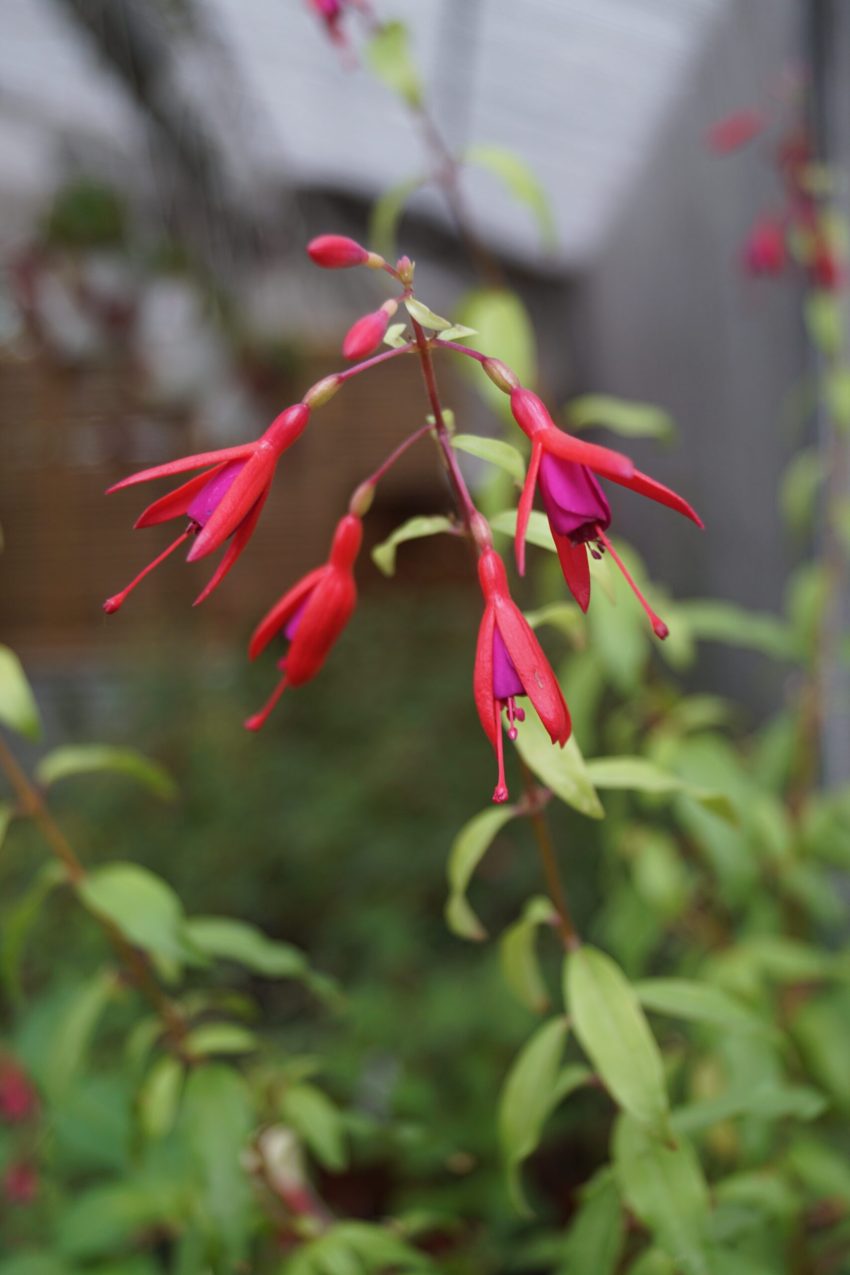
<point>527,1099</point>
<point>388,56</point>
<point>520,181</point>
<point>518,954</point>
<point>427,318</point>
<point>18,709</point>
<point>494,451</point>
<point>503,328</point>
<point>640,775</point>
<point>383,555</point>
<point>699,1003</point>
<point>83,759</point>
<point>396,336</point>
<point>456,333</point>
<point>145,909</point>
<point>621,416</point>
<point>596,1236</point>
<point>469,847</point>
<point>159,1097</point>
<point>561,769</point>
<point>315,1118</point>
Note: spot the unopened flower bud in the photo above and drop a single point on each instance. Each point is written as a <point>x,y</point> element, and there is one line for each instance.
<point>337,252</point>
<point>361,500</point>
<point>323,391</point>
<point>500,374</point>
<point>405,268</point>
<point>367,333</point>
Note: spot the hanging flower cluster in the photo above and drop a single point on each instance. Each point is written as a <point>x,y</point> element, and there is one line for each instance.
<point>223,502</point>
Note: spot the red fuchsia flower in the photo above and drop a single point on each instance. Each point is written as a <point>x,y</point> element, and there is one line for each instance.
<point>226,500</point>
<point>734,131</point>
<point>337,252</point>
<point>18,1098</point>
<point>330,12</point>
<point>509,662</point>
<point>311,615</point>
<point>765,252</point>
<point>576,506</point>
<point>20,1183</point>
<point>367,333</point>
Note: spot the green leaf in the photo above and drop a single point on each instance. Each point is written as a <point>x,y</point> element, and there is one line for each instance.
<point>159,1097</point>
<point>504,330</point>
<point>388,56</point>
<point>396,336</point>
<point>83,759</point>
<point>518,954</point>
<point>495,451</point>
<point>456,332</point>
<point>561,769</point>
<point>563,616</point>
<point>72,1034</point>
<point>640,775</point>
<point>596,1236</point>
<point>699,1003</point>
<point>106,1218</point>
<point>613,1032</point>
<point>383,555</point>
<point>620,415</point>
<point>143,907</point>
<point>215,1123</point>
<point>468,849</point>
<point>538,532</point>
<point>318,1122</point>
<point>800,485</point>
<point>768,1101</point>
<point>527,1100</point>
<point>520,181</point>
<point>838,396</point>
<point>18,709</point>
<point>220,1038</point>
<point>19,920</point>
<point>227,939</point>
<point>752,630</point>
<point>386,213</point>
<point>7,814</point>
<point>824,322</point>
<point>427,318</point>
<point>663,1184</point>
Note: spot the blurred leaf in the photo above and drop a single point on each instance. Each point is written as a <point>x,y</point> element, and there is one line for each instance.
<point>216,1121</point>
<point>383,555</point>
<point>87,214</point>
<point>824,1170</point>
<point>220,1038</point>
<point>596,1236</point>
<point>786,960</point>
<point>7,814</point>
<point>386,213</point>
<point>520,181</point>
<point>838,396</point>
<point>527,1099</point>
<point>698,1003</point>
<point>35,1262</point>
<point>317,1121</point>
<point>227,939</point>
<point>388,56</point>
<point>19,920</point>
<point>106,1218</point>
<point>663,1184</point>
<point>518,954</point>
<point>821,1031</point>
<point>82,759</point>
<point>159,1097</point>
<point>356,1248</point>
<point>18,709</point>
<point>613,1032</point>
<point>456,333</point>
<point>823,322</point>
<point>620,415</point>
<point>800,486</point>
<point>563,616</point>
<point>469,847</point>
<point>143,907</point>
<point>396,335</point>
<point>640,775</point>
<point>538,532</point>
<point>561,769</point>
<point>427,318</point>
<point>652,1262</point>
<point>767,1101</point>
<point>753,630</point>
<point>495,452</point>
<point>504,331</point>
<point>72,1033</point>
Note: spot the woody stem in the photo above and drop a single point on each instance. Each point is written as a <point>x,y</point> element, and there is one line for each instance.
<point>34,806</point>
<point>546,848</point>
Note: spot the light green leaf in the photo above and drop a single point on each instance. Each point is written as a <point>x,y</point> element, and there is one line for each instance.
<point>538,533</point>
<point>800,485</point>
<point>664,1186</point>
<point>215,1125</point>
<point>639,775</point>
<point>386,213</point>
<point>563,616</point>
<point>620,415</point>
<point>520,181</point>
<point>527,1100</point>
<point>699,1003</point>
<point>838,396</point>
<point>456,332</point>
<point>18,709</point>
<point>83,759</point>
<point>612,1030</point>
<point>383,555</point>
<point>71,1037</point>
<point>504,331</point>
<point>753,630</point>
<point>318,1122</point>
<point>104,1219</point>
<point>596,1236</point>
<point>220,1038</point>
<point>518,954</point>
<point>159,1097</point>
<point>227,939</point>
<point>18,922</point>
<point>396,336</point>
<point>388,56</point>
<point>495,451</point>
<point>427,318</point>
<point>767,1101</point>
<point>7,814</point>
<point>469,847</point>
<point>824,322</point>
<point>561,769</point>
<point>143,907</point>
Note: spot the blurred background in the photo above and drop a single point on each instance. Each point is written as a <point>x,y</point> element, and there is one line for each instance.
<point>162,165</point>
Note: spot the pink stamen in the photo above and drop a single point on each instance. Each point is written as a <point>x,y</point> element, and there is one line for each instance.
<point>111,605</point>
<point>500,792</point>
<point>259,719</point>
<point>659,628</point>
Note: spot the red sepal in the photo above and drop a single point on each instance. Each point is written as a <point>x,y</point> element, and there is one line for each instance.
<point>184,464</point>
<point>274,620</point>
<point>646,486</point>
<point>576,568</point>
<point>325,616</point>
<point>482,677</point>
<point>524,508</point>
<point>176,502</point>
<point>234,550</point>
<point>535,672</point>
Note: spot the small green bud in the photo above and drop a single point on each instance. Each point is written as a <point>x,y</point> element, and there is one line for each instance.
<point>361,500</point>
<point>500,374</point>
<point>322,391</point>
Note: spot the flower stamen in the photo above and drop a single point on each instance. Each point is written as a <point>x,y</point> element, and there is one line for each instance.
<point>259,719</point>
<point>111,605</point>
<point>659,628</point>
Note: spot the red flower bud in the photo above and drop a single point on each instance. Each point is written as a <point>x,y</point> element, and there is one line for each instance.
<point>764,251</point>
<point>20,1183</point>
<point>336,252</point>
<point>365,335</point>
<point>18,1099</point>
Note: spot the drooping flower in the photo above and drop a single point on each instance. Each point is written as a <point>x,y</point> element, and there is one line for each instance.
<point>565,469</point>
<point>510,662</point>
<point>311,615</point>
<point>764,251</point>
<point>225,500</point>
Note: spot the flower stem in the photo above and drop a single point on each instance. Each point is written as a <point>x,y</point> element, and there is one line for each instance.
<point>34,806</point>
<point>546,847</point>
<point>349,372</point>
<point>395,455</point>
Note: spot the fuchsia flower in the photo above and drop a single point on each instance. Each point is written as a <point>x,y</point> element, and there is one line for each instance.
<point>18,1099</point>
<point>575,504</point>
<point>367,333</point>
<point>226,500</point>
<point>337,252</point>
<point>764,251</point>
<point>311,615</point>
<point>509,662</point>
